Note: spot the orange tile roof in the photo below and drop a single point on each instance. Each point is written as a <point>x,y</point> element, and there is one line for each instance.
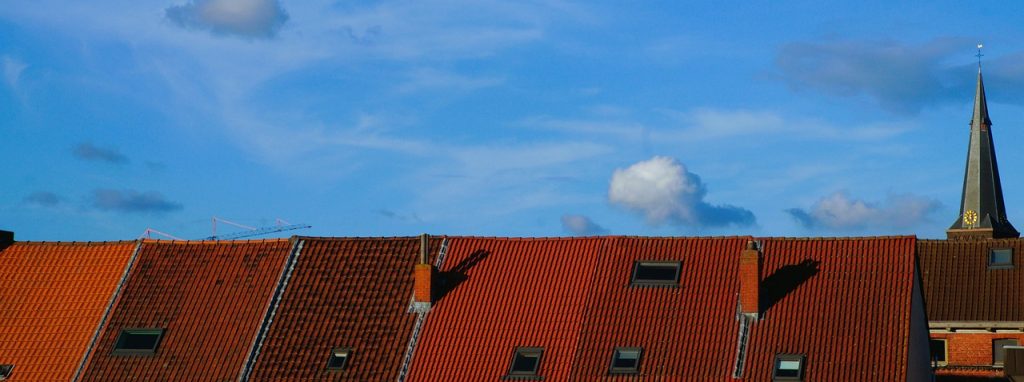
<point>210,297</point>
<point>844,303</point>
<point>506,293</point>
<point>959,286</point>
<point>52,299</point>
<point>343,292</point>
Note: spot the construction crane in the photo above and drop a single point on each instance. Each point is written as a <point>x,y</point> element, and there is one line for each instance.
<point>279,226</point>
<point>148,234</point>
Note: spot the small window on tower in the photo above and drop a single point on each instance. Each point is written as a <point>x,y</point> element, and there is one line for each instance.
<point>938,348</point>
<point>789,367</point>
<point>625,361</point>
<point>656,273</point>
<point>138,341</point>
<point>1000,258</point>
<point>339,358</point>
<point>525,363</point>
<point>5,371</point>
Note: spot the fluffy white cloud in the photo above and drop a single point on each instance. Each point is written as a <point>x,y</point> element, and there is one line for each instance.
<point>839,212</point>
<point>581,225</point>
<point>247,18</point>
<point>665,192</point>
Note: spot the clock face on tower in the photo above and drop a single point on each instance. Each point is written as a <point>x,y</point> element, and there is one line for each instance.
<point>970,218</point>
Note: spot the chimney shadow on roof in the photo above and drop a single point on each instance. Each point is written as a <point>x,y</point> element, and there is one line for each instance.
<point>448,280</point>
<point>785,280</point>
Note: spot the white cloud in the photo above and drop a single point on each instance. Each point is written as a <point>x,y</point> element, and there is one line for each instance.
<point>840,212</point>
<point>433,79</point>
<point>13,68</point>
<point>581,225</point>
<point>665,192</point>
<point>247,18</point>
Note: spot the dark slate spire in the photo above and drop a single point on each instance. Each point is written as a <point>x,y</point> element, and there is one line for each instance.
<point>982,212</point>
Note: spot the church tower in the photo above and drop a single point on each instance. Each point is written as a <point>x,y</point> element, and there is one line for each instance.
<point>982,213</point>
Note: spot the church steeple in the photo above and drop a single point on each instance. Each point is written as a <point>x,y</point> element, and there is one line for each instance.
<point>982,212</point>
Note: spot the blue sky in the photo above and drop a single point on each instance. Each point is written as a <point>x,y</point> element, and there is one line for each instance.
<point>494,118</point>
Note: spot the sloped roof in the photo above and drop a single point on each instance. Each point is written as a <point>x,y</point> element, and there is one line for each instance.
<point>502,293</point>
<point>689,331</point>
<point>210,297</point>
<point>52,299</point>
<point>844,303</point>
<point>959,286</point>
<point>850,315</point>
<point>343,292</point>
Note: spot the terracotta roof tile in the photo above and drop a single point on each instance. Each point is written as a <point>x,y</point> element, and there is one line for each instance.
<point>851,318</point>
<point>825,298</point>
<point>959,286</point>
<point>209,296</point>
<point>52,300</point>
<point>344,292</point>
<point>504,293</point>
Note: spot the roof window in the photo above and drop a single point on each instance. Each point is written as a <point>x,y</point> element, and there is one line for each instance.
<point>999,351</point>
<point>525,363</point>
<point>789,367</point>
<point>339,358</point>
<point>656,273</point>
<point>138,341</point>
<point>625,361</point>
<point>1000,258</point>
<point>5,371</point>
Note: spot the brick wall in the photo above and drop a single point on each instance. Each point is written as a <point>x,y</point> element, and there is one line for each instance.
<point>972,349</point>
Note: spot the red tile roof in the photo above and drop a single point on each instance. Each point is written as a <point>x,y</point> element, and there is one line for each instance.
<point>852,318</point>
<point>52,299</point>
<point>209,296</point>
<point>343,293</point>
<point>844,303</point>
<point>689,331</point>
<point>959,286</point>
<point>505,293</point>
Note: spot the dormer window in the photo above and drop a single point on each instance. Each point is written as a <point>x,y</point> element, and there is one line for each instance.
<point>656,273</point>
<point>138,341</point>
<point>5,371</point>
<point>789,367</point>
<point>339,358</point>
<point>625,361</point>
<point>1000,258</point>
<point>525,363</point>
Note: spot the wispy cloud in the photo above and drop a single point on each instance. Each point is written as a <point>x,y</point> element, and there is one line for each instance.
<point>434,79</point>
<point>899,77</point>
<point>580,225</point>
<point>245,18</point>
<point>12,69</point>
<point>88,151</point>
<point>663,191</point>
<point>839,212</point>
<point>131,201</point>
<point>43,198</point>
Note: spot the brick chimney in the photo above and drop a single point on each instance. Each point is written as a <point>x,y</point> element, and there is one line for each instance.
<point>750,279</point>
<point>422,275</point>
<point>6,238</point>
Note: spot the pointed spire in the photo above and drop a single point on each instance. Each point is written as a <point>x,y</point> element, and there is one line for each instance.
<point>980,116</point>
<point>982,212</point>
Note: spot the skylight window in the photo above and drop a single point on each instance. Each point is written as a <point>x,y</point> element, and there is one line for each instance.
<point>138,341</point>
<point>625,361</point>
<point>789,367</point>
<point>1000,258</point>
<point>5,371</point>
<point>339,358</point>
<point>655,273</point>
<point>525,363</point>
<point>999,351</point>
